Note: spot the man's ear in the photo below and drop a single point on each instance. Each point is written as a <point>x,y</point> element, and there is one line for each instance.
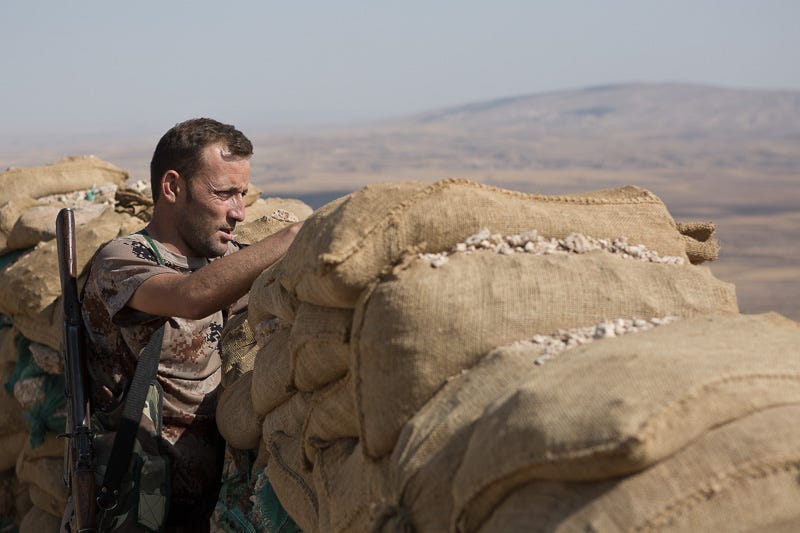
<point>171,186</point>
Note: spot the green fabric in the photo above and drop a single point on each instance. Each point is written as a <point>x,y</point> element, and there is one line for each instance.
<point>247,507</point>
<point>7,525</point>
<point>26,366</point>
<point>274,517</point>
<point>44,416</point>
<point>10,257</point>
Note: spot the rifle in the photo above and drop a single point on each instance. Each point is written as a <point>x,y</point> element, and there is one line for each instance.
<point>79,467</point>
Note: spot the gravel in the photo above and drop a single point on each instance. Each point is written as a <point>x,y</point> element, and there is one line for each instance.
<point>569,338</point>
<point>532,243</point>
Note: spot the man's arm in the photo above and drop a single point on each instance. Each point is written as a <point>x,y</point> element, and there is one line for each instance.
<point>215,286</point>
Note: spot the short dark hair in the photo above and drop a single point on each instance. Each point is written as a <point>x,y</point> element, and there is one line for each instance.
<point>181,148</point>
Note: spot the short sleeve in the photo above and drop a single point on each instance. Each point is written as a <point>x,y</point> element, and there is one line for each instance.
<point>117,272</point>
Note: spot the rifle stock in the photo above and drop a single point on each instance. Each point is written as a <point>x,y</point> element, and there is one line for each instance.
<point>80,459</point>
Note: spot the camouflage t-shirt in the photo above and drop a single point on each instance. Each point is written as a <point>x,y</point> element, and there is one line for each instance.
<point>189,366</point>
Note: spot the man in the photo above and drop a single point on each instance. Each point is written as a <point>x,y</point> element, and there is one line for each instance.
<point>186,271</point>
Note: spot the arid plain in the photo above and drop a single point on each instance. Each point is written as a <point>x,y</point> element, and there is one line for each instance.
<point>722,155</point>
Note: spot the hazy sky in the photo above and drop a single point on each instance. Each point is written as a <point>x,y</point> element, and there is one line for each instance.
<point>122,68</point>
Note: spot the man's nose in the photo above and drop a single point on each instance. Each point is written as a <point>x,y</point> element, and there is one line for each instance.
<point>236,211</point>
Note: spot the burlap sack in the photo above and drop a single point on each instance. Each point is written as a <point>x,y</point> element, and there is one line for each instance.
<point>46,358</point>
<point>423,324</point>
<point>616,406</point>
<point>701,244</point>
<point>319,345</point>
<point>135,201</point>
<point>12,418</point>
<point>251,232</point>
<point>432,444</point>
<point>331,417</point>
<point>268,300</point>
<point>292,482</point>
<point>345,246</point>
<point>14,499</point>
<point>236,420</point>
<point>9,213</point>
<point>271,382</point>
<point>47,474</point>
<point>8,346</point>
<point>32,283</point>
<point>741,476</point>
<point>350,488</point>
<point>45,501</point>
<point>11,444</point>
<point>287,418</point>
<point>238,348</point>
<point>46,327</point>
<point>264,224</point>
<point>67,175</point>
<point>37,520</point>
<point>10,210</point>
<point>38,223</point>
<point>263,207</point>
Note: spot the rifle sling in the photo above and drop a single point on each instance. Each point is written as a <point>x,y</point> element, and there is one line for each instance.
<point>129,424</point>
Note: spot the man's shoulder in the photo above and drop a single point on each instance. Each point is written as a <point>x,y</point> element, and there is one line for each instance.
<point>128,248</point>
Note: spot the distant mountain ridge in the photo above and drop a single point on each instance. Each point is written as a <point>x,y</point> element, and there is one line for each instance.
<point>631,127</point>
<point>674,109</point>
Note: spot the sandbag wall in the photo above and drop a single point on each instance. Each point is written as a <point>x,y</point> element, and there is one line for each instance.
<point>34,409</point>
<point>32,492</point>
<point>394,292</point>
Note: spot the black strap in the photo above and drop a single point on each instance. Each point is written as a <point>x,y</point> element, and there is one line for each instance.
<point>145,373</point>
<point>121,452</point>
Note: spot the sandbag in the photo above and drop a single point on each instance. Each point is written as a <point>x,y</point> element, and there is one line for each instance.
<point>344,246</point>
<point>8,345</point>
<point>350,487</point>
<point>32,283</point>
<point>11,444</point>
<point>37,520</point>
<point>287,418</point>
<point>47,474</point>
<point>38,223</point>
<point>67,175</point>
<point>9,214</point>
<point>236,420</point>
<point>331,417</point>
<point>271,382</point>
<point>422,325</point>
<point>616,406</point>
<point>292,481</point>
<point>266,206</point>
<point>46,327</point>
<point>319,345</point>
<point>238,348</point>
<point>11,416</point>
<point>268,300</point>
<point>701,243</point>
<point>264,224</point>
<point>740,476</point>
<point>432,444</point>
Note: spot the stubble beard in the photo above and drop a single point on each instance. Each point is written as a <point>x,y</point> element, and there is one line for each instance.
<point>199,235</point>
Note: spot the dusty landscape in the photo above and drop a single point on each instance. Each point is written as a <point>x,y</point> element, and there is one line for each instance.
<point>728,156</point>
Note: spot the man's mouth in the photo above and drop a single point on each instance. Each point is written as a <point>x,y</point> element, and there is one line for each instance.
<point>227,233</point>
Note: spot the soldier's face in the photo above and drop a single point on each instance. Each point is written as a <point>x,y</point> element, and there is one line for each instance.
<point>214,203</point>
